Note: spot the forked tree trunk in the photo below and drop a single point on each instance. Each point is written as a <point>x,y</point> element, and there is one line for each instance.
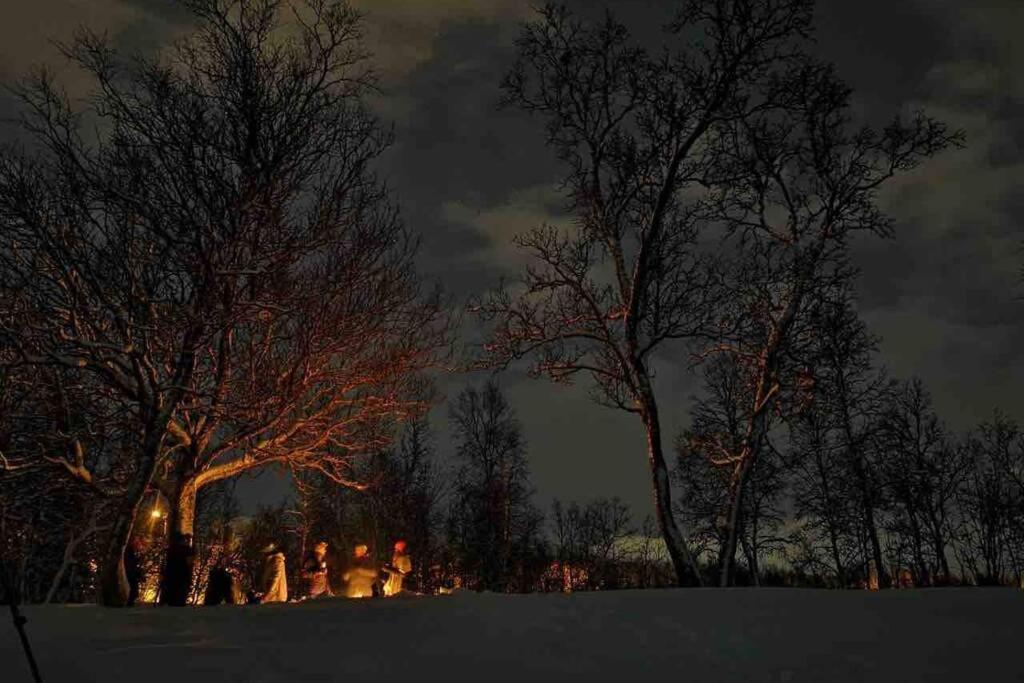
<point>737,488</point>
<point>683,561</point>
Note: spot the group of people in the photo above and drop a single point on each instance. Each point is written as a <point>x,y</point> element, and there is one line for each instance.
<point>362,579</point>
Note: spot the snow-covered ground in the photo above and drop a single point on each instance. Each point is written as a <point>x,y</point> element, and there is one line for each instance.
<point>961,635</point>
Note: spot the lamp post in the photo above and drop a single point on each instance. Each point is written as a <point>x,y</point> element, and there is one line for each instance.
<point>154,516</point>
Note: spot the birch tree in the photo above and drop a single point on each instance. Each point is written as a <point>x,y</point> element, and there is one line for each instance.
<point>493,521</point>
<point>922,469</point>
<point>798,182</point>
<point>220,257</point>
<point>633,127</point>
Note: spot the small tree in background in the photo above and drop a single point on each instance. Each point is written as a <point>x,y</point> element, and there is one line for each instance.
<point>839,483</point>
<point>922,470</point>
<point>493,526</point>
<point>990,503</point>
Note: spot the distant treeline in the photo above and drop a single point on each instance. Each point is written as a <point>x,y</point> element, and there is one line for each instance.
<point>945,510</point>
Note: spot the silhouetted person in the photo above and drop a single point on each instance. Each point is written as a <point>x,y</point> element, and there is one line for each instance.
<point>220,586</point>
<point>314,572</point>
<point>177,576</point>
<point>132,570</point>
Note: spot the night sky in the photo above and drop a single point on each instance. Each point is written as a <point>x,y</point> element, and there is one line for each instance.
<point>944,295</point>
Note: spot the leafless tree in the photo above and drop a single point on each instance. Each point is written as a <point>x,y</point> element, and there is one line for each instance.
<point>838,478</point>
<point>922,470</point>
<point>52,523</point>
<point>825,509</point>
<point>990,502</point>
<point>798,184</point>
<point>634,129</point>
<point>591,543</point>
<point>221,257</point>
<point>493,522</point>
<point>717,427</point>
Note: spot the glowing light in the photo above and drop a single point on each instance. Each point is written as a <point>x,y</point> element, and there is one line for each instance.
<point>155,514</point>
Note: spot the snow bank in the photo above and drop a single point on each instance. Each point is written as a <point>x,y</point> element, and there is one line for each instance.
<point>688,635</point>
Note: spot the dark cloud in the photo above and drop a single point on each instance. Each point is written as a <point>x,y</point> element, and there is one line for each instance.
<point>943,294</point>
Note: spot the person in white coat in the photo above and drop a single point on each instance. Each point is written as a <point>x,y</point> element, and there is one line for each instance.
<point>274,581</point>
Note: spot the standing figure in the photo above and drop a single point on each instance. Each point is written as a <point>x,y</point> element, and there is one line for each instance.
<point>274,582</point>
<point>220,586</point>
<point>132,570</point>
<point>314,572</point>
<point>397,570</point>
<point>177,576</point>
<point>361,575</point>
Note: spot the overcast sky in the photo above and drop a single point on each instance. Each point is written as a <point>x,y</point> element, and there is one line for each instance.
<point>944,295</point>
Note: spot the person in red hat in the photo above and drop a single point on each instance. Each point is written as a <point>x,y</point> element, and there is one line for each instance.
<point>397,570</point>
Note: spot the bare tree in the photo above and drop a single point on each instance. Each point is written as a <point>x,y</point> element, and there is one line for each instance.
<point>824,508</point>
<point>797,184</point>
<point>47,416</point>
<point>406,491</point>
<point>990,503</point>
<point>493,522</point>
<point>922,471</point>
<point>634,129</point>
<point>839,485</point>
<point>591,543</point>
<point>717,428</point>
<point>331,328</point>
<point>221,258</point>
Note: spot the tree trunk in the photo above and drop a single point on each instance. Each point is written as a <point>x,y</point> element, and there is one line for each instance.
<point>751,554</point>
<point>876,546</point>
<point>113,581</point>
<point>683,562</point>
<point>856,458</point>
<point>727,556</point>
<point>923,575</point>
<point>840,569</point>
<point>749,457</point>
<point>65,562</point>
<point>68,558</point>
<point>181,522</point>
<point>939,544</point>
<point>870,527</point>
<point>830,521</point>
<point>183,508</point>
